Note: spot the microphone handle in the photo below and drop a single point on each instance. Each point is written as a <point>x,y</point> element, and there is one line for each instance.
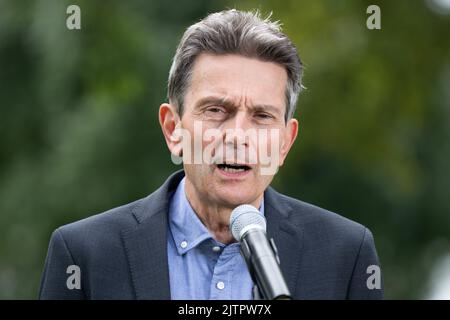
<point>263,263</point>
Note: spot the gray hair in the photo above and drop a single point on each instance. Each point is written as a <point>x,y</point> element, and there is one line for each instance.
<point>235,32</point>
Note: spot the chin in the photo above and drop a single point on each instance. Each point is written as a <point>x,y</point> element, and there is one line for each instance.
<point>235,198</point>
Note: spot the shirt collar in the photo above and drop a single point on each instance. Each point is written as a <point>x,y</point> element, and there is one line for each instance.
<point>186,228</point>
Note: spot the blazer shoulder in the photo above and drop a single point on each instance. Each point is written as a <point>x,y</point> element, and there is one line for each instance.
<point>101,225</point>
<point>323,222</point>
<point>105,229</point>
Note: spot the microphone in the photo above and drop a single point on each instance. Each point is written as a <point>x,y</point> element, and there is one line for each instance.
<point>248,226</point>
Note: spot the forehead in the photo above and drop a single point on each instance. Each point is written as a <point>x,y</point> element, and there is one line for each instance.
<point>238,78</point>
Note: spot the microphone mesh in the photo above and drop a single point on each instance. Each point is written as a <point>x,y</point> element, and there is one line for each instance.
<point>245,216</point>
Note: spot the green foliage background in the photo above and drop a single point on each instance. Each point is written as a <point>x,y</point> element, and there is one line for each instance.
<point>79,131</point>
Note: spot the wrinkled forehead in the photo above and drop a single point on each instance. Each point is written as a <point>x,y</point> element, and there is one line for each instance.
<point>242,80</point>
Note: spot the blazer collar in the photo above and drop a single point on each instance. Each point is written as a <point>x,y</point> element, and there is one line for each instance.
<point>287,235</point>
<point>146,243</point>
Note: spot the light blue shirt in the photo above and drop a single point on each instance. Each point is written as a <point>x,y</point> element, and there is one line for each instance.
<point>200,267</point>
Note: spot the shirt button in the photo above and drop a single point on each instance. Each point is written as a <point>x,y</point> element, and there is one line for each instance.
<point>183,244</point>
<point>216,248</point>
<point>220,285</point>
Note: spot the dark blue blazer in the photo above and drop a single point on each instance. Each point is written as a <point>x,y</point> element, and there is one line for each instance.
<point>122,253</point>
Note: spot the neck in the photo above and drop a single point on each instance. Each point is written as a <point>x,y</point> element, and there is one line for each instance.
<point>215,216</point>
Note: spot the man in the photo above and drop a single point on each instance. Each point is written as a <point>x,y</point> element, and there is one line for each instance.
<point>232,91</point>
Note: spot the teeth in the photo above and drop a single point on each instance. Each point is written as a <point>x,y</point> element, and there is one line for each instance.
<point>233,170</point>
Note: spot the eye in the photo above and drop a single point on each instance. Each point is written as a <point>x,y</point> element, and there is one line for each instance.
<point>263,115</point>
<point>215,109</point>
<point>215,112</point>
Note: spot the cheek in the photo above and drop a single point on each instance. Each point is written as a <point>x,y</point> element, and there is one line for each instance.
<point>198,175</point>
<point>194,143</point>
<point>262,181</point>
<point>269,144</point>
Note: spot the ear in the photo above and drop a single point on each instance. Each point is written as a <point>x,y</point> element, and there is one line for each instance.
<point>289,136</point>
<point>170,121</point>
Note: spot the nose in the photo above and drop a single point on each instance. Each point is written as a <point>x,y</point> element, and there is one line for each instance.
<point>235,130</point>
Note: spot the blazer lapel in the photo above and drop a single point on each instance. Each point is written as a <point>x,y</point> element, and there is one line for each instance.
<point>146,243</point>
<point>146,248</point>
<point>287,236</point>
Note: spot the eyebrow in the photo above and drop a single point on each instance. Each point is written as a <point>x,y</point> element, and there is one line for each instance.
<point>228,103</point>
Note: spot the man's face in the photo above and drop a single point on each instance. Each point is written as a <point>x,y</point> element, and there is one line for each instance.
<point>231,95</point>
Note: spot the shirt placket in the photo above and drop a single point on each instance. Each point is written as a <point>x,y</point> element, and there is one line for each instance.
<point>221,282</point>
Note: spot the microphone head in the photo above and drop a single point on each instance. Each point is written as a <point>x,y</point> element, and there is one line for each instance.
<point>246,217</point>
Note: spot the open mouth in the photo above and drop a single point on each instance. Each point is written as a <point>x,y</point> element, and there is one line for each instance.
<point>233,168</point>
